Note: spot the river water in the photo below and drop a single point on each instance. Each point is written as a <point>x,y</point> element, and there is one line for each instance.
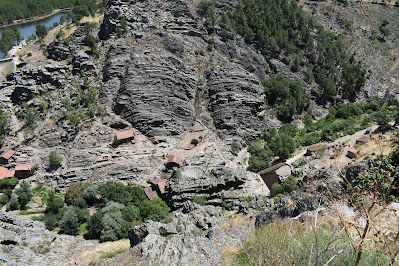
<point>29,28</point>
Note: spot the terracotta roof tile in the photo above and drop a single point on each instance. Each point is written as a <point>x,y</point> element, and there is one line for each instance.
<point>151,194</point>
<point>4,173</point>
<point>24,167</point>
<point>125,134</point>
<point>99,159</point>
<point>175,159</point>
<point>8,154</point>
<point>272,168</point>
<point>315,147</point>
<point>353,150</point>
<point>363,139</point>
<point>161,184</point>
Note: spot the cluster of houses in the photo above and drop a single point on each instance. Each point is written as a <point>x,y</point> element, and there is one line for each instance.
<point>275,173</point>
<point>20,171</point>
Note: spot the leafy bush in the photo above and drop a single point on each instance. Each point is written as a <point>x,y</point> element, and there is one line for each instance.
<point>155,209</point>
<point>9,182</point>
<point>75,191</point>
<point>112,223</point>
<point>201,200</point>
<point>50,221</point>
<point>54,159</point>
<point>116,191</point>
<point>287,96</point>
<point>4,199</point>
<point>24,195</point>
<point>248,199</point>
<point>69,223</point>
<point>94,226</point>
<point>90,195</point>
<point>194,142</point>
<point>288,185</point>
<point>13,204</point>
<point>54,203</point>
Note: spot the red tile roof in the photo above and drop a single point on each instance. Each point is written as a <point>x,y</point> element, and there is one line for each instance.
<point>8,154</point>
<point>272,168</point>
<point>125,134</point>
<point>151,194</point>
<point>161,184</point>
<point>4,173</point>
<point>363,139</point>
<point>99,159</point>
<point>24,167</point>
<point>353,150</point>
<point>175,159</point>
<point>315,147</point>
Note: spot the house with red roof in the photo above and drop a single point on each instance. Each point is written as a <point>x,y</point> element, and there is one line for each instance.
<point>24,170</point>
<point>125,136</point>
<point>6,156</point>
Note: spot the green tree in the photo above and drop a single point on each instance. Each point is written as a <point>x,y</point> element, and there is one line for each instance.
<point>54,203</point>
<point>75,191</point>
<point>112,224</point>
<point>385,31</point>
<point>3,124</point>
<point>155,209</point>
<point>54,159</point>
<point>41,31</point>
<point>24,195</point>
<point>94,226</point>
<point>9,36</point>
<point>13,204</point>
<point>69,223</point>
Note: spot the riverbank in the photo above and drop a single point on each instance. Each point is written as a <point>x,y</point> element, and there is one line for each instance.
<point>33,19</point>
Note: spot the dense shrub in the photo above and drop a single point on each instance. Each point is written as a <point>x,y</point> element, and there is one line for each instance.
<point>288,185</point>
<point>155,209</point>
<point>90,195</point>
<point>54,159</point>
<point>75,191</point>
<point>115,191</point>
<point>54,203</point>
<point>13,204</point>
<point>9,182</point>
<point>287,96</point>
<point>69,223</point>
<point>94,226</point>
<point>201,200</point>
<point>24,195</point>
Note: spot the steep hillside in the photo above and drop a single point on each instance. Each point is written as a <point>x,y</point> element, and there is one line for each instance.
<point>166,96</point>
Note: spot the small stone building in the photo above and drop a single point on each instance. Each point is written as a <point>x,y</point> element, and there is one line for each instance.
<point>313,148</point>
<point>363,139</point>
<point>274,174</point>
<point>5,173</point>
<point>7,156</point>
<point>352,153</point>
<point>24,170</point>
<point>156,190</point>
<point>174,161</point>
<point>125,136</point>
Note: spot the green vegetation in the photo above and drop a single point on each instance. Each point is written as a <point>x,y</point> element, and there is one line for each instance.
<point>281,243</point>
<point>17,9</point>
<point>41,31</point>
<point>201,200</point>
<point>286,96</point>
<point>84,105</point>
<point>194,142</point>
<point>75,192</point>
<point>24,195</point>
<point>342,119</point>
<point>282,28</point>
<point>54,159</point>
<point>9,36</point>
<point>288,185</point>
<point>3,124</point>
<point>382,179</point>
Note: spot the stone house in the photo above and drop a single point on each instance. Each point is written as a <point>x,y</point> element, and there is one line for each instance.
<point>275,174</point>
